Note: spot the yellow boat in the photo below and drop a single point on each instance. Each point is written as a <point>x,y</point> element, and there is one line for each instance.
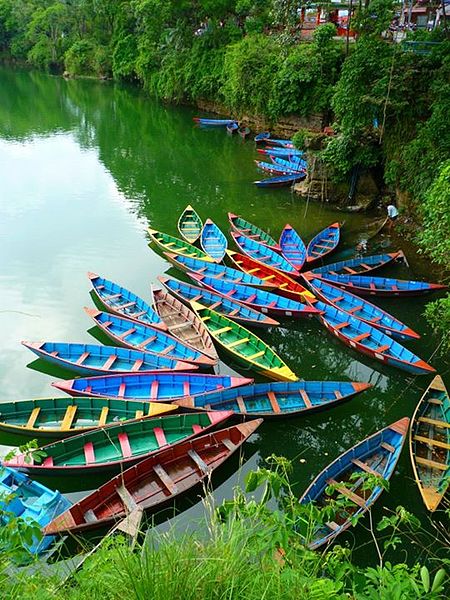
<point>170,243</point>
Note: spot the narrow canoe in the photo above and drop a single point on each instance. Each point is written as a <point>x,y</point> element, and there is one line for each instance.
<point>283,284</point>
<point>124,303</point>
<point>261,138</point>
<point>213,241</point>
<point>366,311</point>
<point>146,339</point>
<point>22,497</point>
<point>170,243</point>
<point>213,122</point>
<point>283,152</point>
<point>58,418</point>
<point>218,271</point>
<point>266,302</point>
<point>361,265</point>
<point>280,143</point>
<point>263,254</point>
<point>279,399</point>
<point>190,225</point>
<point>429,443</point>
<point>370,341</point>
<point>293,247</point>
<point>281,181</point>
<point>221,304</point>
<point>115,447</point>
<point>382,286</point>
<point>94,359</point>
<point>183,324</point>
<point>277,169</point>
<point>323,243</point>
<point>153,482</point>
<point>244,346</point>
<point>251,231</point>
<point>154,387</point>
<point>295,162</point>
<point>376,455</point>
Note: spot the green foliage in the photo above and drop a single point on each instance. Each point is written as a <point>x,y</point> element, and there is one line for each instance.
<point>438,315</point>
<point>374,17</point>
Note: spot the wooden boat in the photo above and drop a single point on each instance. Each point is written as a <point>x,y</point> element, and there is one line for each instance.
<point>279,399</point>
<point>263,254</point>
<point>183,324</point>
<point>94,359</point>
<point>243,227</point>
<point>190,225</point>
<point>218,271</point>
<point>272,168</point>
<point>370,341</point>
<point>232,127</point>
<point>118,446</point>
<point>292,247</point>
<point>280,181</point>
<point>213,241</point>
<point>282,152</point>
<point>243,345</point>
<point>297,163</point>
<point>323,243</point>
<point>360,265</point>
<point>283,284</point>
<point>429,443</point>
<point>124,303</point>
<point>266,302</point>
<point>213,122</point>
<point>280,143</point>
<point>154,387</point>
<point>170,243</point>
<point>353,305</point>
<point>261,138</point>
<point>146,339</point>
<point>154,481</point>
<point>382,286</point>
<point>376,455</point>
<point>58,418</point>
<point>21,497</point>
<point>221,304</point>
<point>244,132</point>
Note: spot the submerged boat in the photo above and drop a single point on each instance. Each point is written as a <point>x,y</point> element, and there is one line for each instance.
<point>280,181</point>
<point>293,247</point>
<point>243,227</point>
<point>190,225</point>
<point>183,324</point>
<point>244,346</point>
<point>360,265</point>
<point>124,303</point>
<point>170,243</point>
<point>213,122</point>
<point>154,482</point>
<point>58,418</point>
<point>155,387</point>
<point>147,339</point>
<point>118,446</point>
<point>323,243</point>
<point>382,286</point>
<point>429,443</point>
<point>377,455</point>
<point>264,254</point>
<point>221,304</point>
<point>213,241</point>
<point>21,497</point>
<point>94,359</point>
<point>279,399</point>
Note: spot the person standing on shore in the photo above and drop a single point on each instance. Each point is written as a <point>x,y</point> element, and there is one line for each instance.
<point>392,214</point>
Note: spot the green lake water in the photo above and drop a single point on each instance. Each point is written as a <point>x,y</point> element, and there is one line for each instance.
<point>85,167</point>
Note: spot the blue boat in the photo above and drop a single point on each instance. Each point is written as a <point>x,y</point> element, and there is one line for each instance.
<point>377,456</point>
<point>232,127</point>
<point>93,359</point>
<point>21,497</point>
<point>146,339</point>
<point>281,181</point>
<point>120,301</point>
<point>283,152</point>
<point>221,304</point>
<point>274,168</point>
<point>264,254</point>
<point>213,241</point>
<point>213,122</point>
<point>370,341</point>
<point>262,137</point>
<point>154,387</point>
<point>323,243</point>
<point>359,265</point>
<point>355,306</point>
<point>279,399</point>
<point>296,163</point>
<point>266,302</point>
<point>382,286</point>
<point>195,265</point>
<point>292,247</point>
<point>280,143</point>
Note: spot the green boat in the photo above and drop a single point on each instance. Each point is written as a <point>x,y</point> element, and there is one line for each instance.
<point>251,231</point>
<point>190,225</point>
<point>243,345</point>
<point>58,418</point>
<point>173,244</point>
<point>116,447</point>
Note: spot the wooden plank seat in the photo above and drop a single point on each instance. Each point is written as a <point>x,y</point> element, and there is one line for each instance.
<point>186,388</point>
<point>350,270</point>
<point>126,333</point>
<point>125,444</point>
<point>109,362</point>
<point>199,461</point>
<point>367,267</point>
<point>168,349</point>
<point>103,416</point>
<point>154,390</point>
<point>342,325</point>
<point>251,271</point>
<point>100,287</point>
<point>89,453</point>
<point>165,479</point>
<point>431,442</point>
<point>355,309</point>
<point>434,401</point>
<point>270,277</point>
<point>113,296</point>
<point>273,402</point>
<point>338,299</point>
<point>127,305</point>
<point>332,525</point>
<point>121,392</point>
<point>69,416</point>
<point>233,312</point>
<point>272,304</point>
<point>382,348</point>
<point>215,305</point>
<point>137,365</point>
<point>33,417</point>
<point>238,342</point>
<point>194,336</point>
<point>387,447</point>
<point>181,325</point>
<point>139,414</point>
<point>431,463</point>
<point>360,337</point>
<point>106,324</point>
<point>251,298</point>
<point>160,436</point>
<point>82,358</point>
<point>256,355</point>
<point>127,499</point>
<point>261,258</point>
<point>197,428</point>
<point>240,403</point>
<point>341,489</point>
<point>147,341</point>
<point>231,292</point>
<point>365,467</point>
<point>434,422</point>
<point>306,399</point>
<point>168,244</point>
<point>197,298</point>
<point>222,330</point>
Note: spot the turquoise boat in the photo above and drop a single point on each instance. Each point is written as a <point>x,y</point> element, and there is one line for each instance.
<point>360,265</point>
<point>264,254</point>
<point>382,286</point>
<point>213,241</point>
<point>293,247</point>
<point>323,243</point>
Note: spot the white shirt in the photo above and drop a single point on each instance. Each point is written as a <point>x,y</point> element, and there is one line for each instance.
<point>392,211</point>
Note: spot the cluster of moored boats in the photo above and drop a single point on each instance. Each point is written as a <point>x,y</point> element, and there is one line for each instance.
<point>142,413</point>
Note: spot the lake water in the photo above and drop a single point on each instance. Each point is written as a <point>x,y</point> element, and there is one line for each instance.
<point>85,167</point>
